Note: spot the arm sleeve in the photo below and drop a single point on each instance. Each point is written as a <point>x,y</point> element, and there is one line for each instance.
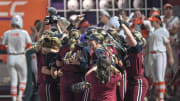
<point>28,39</point>
<point>166,37</point>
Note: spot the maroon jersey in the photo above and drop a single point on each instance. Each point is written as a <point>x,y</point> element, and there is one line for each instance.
<point>133,62</point>
<point>72,74</point>
<point>102,92</point>
<point>137,85</point>
<point>40,63</point>
<point>69,67</point>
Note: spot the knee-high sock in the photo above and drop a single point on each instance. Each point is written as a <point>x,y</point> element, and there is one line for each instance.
<point>14,92</point>
<point>160,89</point>
<point>22,87</point>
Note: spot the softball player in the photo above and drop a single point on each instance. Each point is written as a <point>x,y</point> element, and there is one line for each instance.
<point>71,70</point>
<point>104,79</point>
<point>158,45</point>
<point>41,77</point>
<point>17,40</point>
<point>104,19</point>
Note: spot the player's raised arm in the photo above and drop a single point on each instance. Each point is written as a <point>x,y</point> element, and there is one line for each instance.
<point>130,38</point>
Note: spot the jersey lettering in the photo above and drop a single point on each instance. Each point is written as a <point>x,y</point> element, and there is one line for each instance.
<point>15,34</point>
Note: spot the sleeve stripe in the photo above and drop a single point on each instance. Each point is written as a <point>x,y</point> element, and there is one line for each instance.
<point>28,45</point>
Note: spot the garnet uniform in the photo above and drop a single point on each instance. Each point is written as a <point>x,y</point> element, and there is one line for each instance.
<point>71,74</point>
<point>102,92</point>
<point>100,51</point>
<point>41,77</point>
<point>137,85</point>
<point>51,85</point>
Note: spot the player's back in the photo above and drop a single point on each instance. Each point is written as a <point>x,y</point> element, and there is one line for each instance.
<point>102,92</point>
<point>16,39</point>
<point>133,61</point>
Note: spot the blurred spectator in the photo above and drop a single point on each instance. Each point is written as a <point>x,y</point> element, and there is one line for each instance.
<point>123,14</point>
<point>104,19</point>
<point>35,30</point>
<point>83,29</point>
<point>172,23</point>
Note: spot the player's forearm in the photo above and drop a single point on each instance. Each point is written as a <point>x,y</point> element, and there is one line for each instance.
<point>129,35</point>
<point>169,50</point>
<point>61,28</point>
<point>44,70</point>
<point>53,72</point>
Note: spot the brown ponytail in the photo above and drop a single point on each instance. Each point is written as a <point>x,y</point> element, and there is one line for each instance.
<point>103,69</point>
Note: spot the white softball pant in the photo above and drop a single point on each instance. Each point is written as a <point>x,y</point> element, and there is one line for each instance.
<point>18,72</point>
<point>157,63</point>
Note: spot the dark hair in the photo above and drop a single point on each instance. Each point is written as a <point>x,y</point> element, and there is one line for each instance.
<point>15,26</point>
<point>36,22</point>
<point>103,69</point>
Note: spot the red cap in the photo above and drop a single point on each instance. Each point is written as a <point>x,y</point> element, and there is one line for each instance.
<point>168,5</point>
<point>84,24</point>
<point>154,18</point>
<point>155,13</point>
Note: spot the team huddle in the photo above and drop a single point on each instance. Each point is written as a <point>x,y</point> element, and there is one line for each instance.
<point>79,62</point>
